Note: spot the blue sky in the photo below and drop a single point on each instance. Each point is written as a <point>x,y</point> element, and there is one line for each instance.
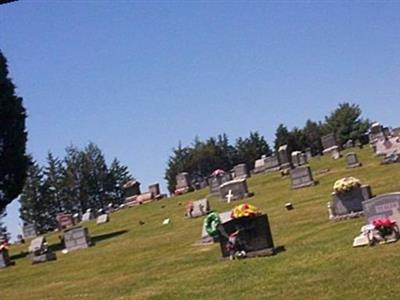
<point>138,77</point>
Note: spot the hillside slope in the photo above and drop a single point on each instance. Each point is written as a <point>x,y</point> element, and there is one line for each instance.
<point>155,261</point>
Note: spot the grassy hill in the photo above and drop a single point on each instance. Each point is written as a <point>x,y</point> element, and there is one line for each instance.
<point>155,261</point>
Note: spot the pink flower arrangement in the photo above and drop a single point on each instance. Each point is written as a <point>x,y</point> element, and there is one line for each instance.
<point>384,226</point>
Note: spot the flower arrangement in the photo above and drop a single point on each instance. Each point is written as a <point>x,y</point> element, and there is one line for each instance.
<point>244,210</point>
<point>385,227</point>
<point>346,184</point>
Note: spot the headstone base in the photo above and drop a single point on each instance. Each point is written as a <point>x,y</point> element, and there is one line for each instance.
<point>48,256</point>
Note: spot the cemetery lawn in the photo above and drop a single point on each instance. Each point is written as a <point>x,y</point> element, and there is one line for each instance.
<point>155,261</point>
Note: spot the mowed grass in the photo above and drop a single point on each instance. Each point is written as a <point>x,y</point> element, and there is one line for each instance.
<point>155,261</point>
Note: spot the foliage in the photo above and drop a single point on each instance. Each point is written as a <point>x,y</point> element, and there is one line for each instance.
<point>203,157</point>
<point>80,181</point>
<point>13,161</point>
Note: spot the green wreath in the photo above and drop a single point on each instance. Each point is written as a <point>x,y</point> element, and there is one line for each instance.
<point>211,223</point>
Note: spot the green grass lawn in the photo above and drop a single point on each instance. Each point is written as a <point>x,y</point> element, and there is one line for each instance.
<point>156,261</point>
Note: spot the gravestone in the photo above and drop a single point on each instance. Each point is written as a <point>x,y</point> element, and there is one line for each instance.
<point>102,219</point>
<point>183,183</point>
<point>383,206</point>
<point>299,159</point>
<point>376,132</point>
<point>352,160</point>
<point>240,171</point>
<point>308,153</point>
<point>131,189</point>
<point>154,189</point>
<point>144,198</point>
<point>4,259</point>
<point>272,163</point>
<point>214,182</point>
<point>284,157</point>
<point>77,238</point>
<point>388,146</point>
<point>64,221</point>
<point>254,235</point>
<point>237,188</point>
<point>301,177</point>
<point>199,208</point>
<point>350,203</point>
<point>39,251</point>
<point>396,132</point>
<point>87,216</point>
<point>259,165</point>
<point>330,146</point>
<point>29,231</point>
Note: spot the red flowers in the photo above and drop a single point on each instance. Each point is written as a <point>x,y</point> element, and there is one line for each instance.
<point>385,226</point>
<point>386,223</point>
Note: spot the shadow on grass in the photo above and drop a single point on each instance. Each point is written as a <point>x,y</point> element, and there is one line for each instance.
<point>20,255</point>
<point>110,235</point>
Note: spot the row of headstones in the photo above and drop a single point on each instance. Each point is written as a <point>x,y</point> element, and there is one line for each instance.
<point>73,239</point>
<point>132,193</point>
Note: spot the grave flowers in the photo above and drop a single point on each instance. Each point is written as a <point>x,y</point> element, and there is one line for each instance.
<point>386,229</point>
<point>244,210</point>
<point>346,184</point>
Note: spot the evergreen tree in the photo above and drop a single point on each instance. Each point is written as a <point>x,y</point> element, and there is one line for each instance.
<point>346,122</point>
<point>53,184</point>
<point>312,135</point>
<point>118,175</point>
<point>34,209</point>
<point>281,136</point>
<point>13,161</point>
<point>252,148</point>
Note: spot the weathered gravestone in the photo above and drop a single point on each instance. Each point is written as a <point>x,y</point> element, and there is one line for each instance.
<point>240,171</point>
<point>87,216</point>
<point>352,160</point>
<point>301,177</point>
<point>330,146</point>
<point>376,132</point>
<point>284,157</point>
<point>254,235</point>
<point>4,259</point>
<point>102,219</point>
<point>383,206</point>
<point>214,182</point>
<point>39,251</point>
<point>308,153</point>
<point>29,231</point>
<point>64,221</point>
<point>236,189</point>
<point>199,208</point>
<point>272,163</point>
<point>77,238</point>
<point>183,183</point>
<point>388,146</point>
<point>259,165</point>
<point>350,203</point>
<point>299,159</point>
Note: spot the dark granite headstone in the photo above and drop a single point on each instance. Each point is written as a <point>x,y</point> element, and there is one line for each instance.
<point>352,160</point>
<point>383,206</point>
<point>131,188</point>
<point>301,177</point>
<point>347,203</point>
<point>238,189</point>
<point>29,231</point>
<point>77,238</point>
<point>240,171</point>
<point>254,234</point>
<point>4,259</point>
<point>154,189</point>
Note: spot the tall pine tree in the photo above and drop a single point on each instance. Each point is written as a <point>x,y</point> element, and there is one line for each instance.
<point>13,161</point>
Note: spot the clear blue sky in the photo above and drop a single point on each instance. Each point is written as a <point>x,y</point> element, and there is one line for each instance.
<point>138,77</point>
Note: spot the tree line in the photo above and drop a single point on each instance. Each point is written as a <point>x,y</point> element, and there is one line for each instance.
<point>73,184</point>
<point>201,158</point>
